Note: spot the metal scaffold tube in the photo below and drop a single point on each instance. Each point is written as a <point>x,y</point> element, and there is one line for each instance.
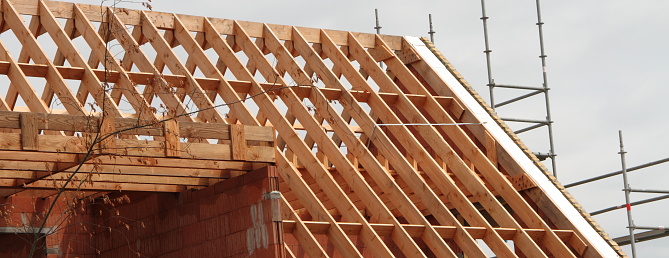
<point>491,82</point>
<point>631,204</point>
<point>535,90</point>
<point>540,24</point>
<point>627,189</point>
<point>377,27</point>
<point>617,173</point>
<point>431,32</point>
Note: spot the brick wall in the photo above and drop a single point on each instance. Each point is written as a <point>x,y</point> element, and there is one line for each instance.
<point>233,218</point>
<point>21,216</point>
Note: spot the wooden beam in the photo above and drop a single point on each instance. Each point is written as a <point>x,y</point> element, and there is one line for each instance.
<point>488,170</point>
<point>447,232</point>
<point>360,115</point>
<point>285,129</point>
<point>192,88</point>
<point>29,132</point>
<point>303,235</point>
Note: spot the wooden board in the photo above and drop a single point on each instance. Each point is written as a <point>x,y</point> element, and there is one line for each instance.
<point>369,144</point>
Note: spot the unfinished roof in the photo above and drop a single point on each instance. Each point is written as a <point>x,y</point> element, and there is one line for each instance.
<point>382,148</point>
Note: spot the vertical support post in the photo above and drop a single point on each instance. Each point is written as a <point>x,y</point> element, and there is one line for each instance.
<point>431,32</point>
<point>29,131</point>
<point>378,28</point>
<point>630,221</point>
<point>237,142</point>
<point>543,56</point>
<point>491,82</point>
<point>107,127</point>
<point>172,138</point>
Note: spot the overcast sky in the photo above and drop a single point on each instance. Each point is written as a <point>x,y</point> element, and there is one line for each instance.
<point>607,63</point>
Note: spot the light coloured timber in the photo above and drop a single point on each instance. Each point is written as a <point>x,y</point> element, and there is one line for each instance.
<point>292,139</point>
<point>324,142</point>
<point>321,104</point>
<point>342,174</point>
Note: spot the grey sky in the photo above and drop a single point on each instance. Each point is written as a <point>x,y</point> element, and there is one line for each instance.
<point>607,63</point>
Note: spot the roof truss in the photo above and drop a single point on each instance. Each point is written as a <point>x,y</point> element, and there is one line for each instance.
<point>385,154</point>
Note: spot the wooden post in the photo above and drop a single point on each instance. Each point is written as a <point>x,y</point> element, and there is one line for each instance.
<point>172,139</point>
<point>107,127</point>
<point>238,142</point>
<point>29,131</point>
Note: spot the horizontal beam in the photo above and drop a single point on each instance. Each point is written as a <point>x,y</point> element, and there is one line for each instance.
<point>32,171</point>
<point>208,84</point>
<point>101,186</point>
<point>196,23</point>
<point>447,232</point>
<point>69,158</point>
<point>133,147</point>
<point>131,126</point>
<point>106,176</point>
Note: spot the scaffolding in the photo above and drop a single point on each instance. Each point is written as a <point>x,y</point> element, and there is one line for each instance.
<point>654,232</point>
<point>548,122</point>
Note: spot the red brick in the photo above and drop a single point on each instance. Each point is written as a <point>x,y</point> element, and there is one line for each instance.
<point>208,208</point>
<point>239,219</point>
<point>22,203</point>
<point>222,204</point>
<point>188,214</point>
<point>203,193</point>
<point>228,184</point>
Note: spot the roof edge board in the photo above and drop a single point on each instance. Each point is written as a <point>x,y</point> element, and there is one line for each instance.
<point>543,182</point>
<point>165,20</point>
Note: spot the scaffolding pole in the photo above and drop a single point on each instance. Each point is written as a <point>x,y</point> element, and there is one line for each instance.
<point>491,82</point>
<point>649,164</point>
<point>540,25</point>
<point>631,204</point>
<point>643,236</point>
<point>377,27</point>
<point>548,122</point>
<point>649,191</point>
<point>431,32</point>
<point>630,221</point>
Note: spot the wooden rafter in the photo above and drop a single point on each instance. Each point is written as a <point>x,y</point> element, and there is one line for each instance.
<point>351,158</point>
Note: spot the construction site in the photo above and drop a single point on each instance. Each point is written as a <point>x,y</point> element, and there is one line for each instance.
<point>138,133</point>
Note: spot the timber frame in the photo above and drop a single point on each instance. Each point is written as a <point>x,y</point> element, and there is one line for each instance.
<point>391,160</point>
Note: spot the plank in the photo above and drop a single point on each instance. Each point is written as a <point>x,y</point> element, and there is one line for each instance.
<point>352,143</point>
<point>120,32</point>
<point>446,185</point>
<point>293,140</point>
<point>327,145</point>
<point>90,80</point>
<point>291,176</point>
<point>29,41</point>
<point>172,138</point>
<point>29,132</point>
<point>304,237</point>
<point>238,142</point>
<point>497,181</point>
<point>192,88</point>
